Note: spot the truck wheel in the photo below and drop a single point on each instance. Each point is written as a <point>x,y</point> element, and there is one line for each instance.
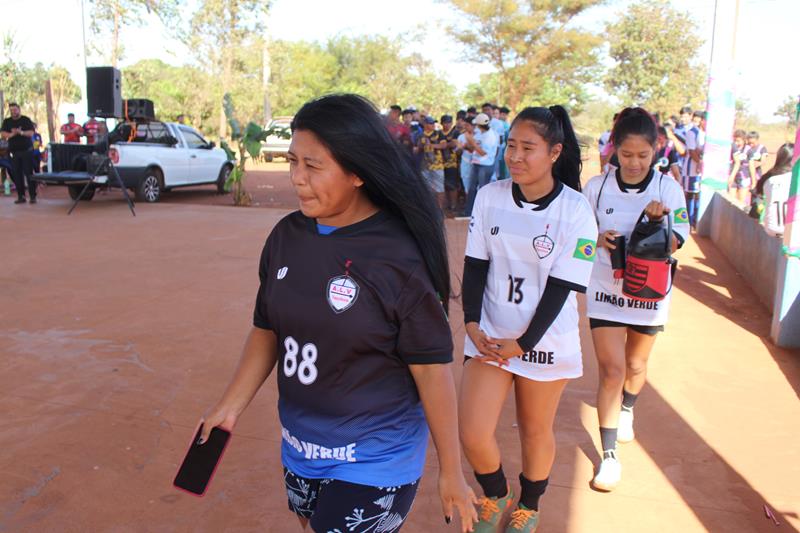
<point>223,177</point>
<point>75,190</point>
<point>149,188</point>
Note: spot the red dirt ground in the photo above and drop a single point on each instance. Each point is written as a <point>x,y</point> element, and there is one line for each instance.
<point>116,333</point>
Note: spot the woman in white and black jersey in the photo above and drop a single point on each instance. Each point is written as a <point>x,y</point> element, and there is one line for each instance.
<point>623,330</point>
<point>530,248</point>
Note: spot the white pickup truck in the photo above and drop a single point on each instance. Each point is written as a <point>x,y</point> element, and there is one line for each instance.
<point>157,157</point>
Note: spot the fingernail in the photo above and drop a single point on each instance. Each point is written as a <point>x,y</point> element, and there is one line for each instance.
<point>200,440</point>
<point>447,520</point>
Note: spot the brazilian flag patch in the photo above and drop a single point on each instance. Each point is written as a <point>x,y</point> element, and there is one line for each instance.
<point>681,216</point>
<point>586,249</point>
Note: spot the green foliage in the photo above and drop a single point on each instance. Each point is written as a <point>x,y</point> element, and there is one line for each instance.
<point>109,16</point>
<point>788,111</point>
<point>534,51</point>
<point>175,91</point>
<point>249,142</point>
<point>655,49</point>
<point>26,85</point>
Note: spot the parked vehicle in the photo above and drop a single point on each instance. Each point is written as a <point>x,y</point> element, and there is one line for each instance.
<point>277,144</point>
<point>156,157</point>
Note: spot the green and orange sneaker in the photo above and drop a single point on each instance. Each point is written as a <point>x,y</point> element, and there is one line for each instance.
<point>491,512</point>
<point>523,520</point>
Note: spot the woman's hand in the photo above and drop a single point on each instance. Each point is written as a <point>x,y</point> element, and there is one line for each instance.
<point>506,348</point>
<point>606,240</point>
<point>218,416</point>
<point>481,341</point>
<point>454,492</point>
<point>655,211</point>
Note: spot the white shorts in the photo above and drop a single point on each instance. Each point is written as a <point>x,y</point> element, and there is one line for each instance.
<point>538,365</point>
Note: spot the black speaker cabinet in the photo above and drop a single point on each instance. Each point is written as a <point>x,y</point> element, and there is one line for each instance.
<point>141,108</point>
<point>104,92</point>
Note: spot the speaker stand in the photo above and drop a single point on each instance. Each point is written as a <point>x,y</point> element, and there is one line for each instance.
<point>112,171</point>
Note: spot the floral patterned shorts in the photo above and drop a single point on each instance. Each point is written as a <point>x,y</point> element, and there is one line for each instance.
<point>335,506</point>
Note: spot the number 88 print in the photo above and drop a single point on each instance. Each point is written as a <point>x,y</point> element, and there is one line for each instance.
<point>306,370</point>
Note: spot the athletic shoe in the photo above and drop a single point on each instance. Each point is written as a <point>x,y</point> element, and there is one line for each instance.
<point>523,520</point>
<point>491,512</point>
<point>609,473</point>
<point>625,427</point>
<point>33,200</point>
<point>20,201</point>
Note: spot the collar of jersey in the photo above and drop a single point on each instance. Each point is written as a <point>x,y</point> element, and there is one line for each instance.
<point>639,187</point>
<point>541,203</point>
<point>374,220</point>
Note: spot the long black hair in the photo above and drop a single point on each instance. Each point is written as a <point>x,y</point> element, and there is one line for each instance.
<point>635,121</point>
<point>783,164</point>
<point>555,127</point>
<point>351,128</point>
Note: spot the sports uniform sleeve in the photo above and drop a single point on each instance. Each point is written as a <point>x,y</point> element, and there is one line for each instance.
<point>423,336</point>
<point>674,198</point>
<point>476,271</point>
<point>261,311</point>
<point>477,246</point>
<point>553,298</point>
<point>572,267</point>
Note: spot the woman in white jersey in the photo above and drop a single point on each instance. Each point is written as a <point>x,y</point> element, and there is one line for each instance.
<point>773,188</point>
<point>531,246</point>
<point>623,330</point>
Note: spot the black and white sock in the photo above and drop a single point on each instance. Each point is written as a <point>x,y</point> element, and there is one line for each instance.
<point>608,440</point>
<point>628,399</point>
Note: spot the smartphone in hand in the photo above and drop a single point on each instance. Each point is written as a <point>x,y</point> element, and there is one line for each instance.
<point>201,461</point>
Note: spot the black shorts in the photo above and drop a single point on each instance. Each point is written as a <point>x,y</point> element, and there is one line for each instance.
<point>644,330</point>
<point>451,180</point>
<point>333,505</point>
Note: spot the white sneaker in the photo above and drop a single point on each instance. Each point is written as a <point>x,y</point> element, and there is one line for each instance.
<point>609,473</point>
<point>625,426</point>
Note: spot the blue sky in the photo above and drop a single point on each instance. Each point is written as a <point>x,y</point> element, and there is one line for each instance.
<point>765,36</point>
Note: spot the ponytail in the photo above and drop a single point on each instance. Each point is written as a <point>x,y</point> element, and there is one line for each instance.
<point>555,127</point>
<point>568,166</point>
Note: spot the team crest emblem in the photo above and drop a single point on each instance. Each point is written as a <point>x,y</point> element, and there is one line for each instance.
<point>543,245</point>
<point>635,276</point>
<point>342,291</point>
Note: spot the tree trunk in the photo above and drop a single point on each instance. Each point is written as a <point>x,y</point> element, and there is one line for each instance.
<point>266,74</point>
<point>115,37</point>
<point>51,126</point>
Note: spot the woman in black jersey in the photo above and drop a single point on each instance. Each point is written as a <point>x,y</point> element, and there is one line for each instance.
<point>351,309</point>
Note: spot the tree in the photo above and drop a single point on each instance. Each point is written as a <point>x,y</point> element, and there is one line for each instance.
<point>655,50</point>
<point>222,33</point>
<point>788,111</point>
<point>175,91</point>
<point>109,16</point>
<point>531,45</point>
<point>64,89</point>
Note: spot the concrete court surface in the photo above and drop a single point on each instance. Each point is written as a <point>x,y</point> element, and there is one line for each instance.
<point>116,333</point>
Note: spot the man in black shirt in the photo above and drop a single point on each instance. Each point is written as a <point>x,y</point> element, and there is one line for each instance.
<point>18,130</point>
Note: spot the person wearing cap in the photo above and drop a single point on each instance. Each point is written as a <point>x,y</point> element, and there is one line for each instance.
<point>499,127</point>
<point>450,157</point>
<point>483,143</point>
<point>431,144</point>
